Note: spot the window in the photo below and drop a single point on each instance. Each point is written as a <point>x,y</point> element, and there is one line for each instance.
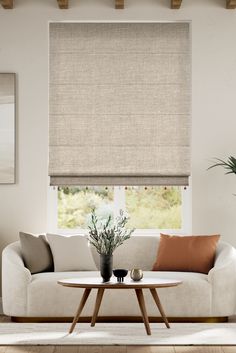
<point>154,207</point>
<point>151,209</point>
<point>76,203</point>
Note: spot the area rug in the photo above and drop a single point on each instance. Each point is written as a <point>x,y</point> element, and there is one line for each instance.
<point>117,334</point>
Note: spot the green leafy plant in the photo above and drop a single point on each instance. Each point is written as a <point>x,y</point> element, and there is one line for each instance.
<point>229,165</point>
<point>107,235</point>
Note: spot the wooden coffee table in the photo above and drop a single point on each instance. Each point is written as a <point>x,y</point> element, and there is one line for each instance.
<point>95,283</point>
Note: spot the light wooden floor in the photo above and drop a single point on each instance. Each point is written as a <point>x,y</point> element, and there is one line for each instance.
<point>114,349</point>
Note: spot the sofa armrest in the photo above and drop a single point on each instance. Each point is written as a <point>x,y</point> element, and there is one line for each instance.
<point>15,280</point>
<point>223,280</point>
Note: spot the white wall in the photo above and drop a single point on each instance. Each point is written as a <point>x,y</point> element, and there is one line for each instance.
<point>24,50</point>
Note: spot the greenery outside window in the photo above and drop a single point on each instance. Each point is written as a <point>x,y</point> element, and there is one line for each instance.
<point>76,203</point>
<point>151,209</point>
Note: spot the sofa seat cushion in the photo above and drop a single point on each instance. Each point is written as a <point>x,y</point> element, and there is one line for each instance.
<point>49,299</point>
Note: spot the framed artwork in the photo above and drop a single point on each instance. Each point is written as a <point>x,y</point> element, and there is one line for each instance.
<point>7,128</point>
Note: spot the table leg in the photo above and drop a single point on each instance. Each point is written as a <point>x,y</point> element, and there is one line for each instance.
<point>80,308</point>
<point>142,306</point>
<point>100,293</point>
<point>160,308</point>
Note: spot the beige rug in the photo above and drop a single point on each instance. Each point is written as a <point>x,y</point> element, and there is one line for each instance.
<point>117,334</point>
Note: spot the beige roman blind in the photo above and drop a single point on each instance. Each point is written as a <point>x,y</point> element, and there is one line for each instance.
<point>119,104</point>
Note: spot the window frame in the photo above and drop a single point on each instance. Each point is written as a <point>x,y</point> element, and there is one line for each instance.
<point>119,203</point>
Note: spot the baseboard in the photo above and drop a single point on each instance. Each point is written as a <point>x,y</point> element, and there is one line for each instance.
<point>120,319</point>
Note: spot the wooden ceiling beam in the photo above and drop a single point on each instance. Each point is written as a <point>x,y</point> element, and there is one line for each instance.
<point>119,4</point>
<point>7,4</point>
<point>230,4</point>
<point>63,4</point>
<point>175,4</point>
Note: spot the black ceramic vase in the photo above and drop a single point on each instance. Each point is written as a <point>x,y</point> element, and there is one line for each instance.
<point>106,264</point>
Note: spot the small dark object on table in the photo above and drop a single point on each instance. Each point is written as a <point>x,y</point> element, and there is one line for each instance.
<point>120,273</point>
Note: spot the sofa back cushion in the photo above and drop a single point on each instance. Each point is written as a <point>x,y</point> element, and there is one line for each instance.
<point>36,252</point>
<point>71,253</point>
<point>136,252</point>
<point>186,253</point>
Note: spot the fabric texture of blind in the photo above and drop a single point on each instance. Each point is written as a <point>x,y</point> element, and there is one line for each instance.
<point>119,104</point>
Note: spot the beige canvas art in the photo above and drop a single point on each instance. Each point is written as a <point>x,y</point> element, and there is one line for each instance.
<point>7,128</point>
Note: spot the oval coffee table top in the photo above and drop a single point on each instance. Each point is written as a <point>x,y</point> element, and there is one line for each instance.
<point>96,282</point>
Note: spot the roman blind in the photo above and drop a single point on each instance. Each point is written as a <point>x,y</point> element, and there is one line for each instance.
<point>119,104</point>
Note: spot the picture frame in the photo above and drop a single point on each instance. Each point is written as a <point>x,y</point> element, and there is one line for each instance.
<point>7,128</point>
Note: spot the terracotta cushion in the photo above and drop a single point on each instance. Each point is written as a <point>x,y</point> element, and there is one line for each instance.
<point>186,253</point>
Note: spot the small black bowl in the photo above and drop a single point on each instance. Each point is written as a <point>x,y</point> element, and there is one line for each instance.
<point>120,273</point>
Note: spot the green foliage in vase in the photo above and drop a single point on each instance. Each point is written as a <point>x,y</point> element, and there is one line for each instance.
<point>107,235</point>
<point>229,165</point>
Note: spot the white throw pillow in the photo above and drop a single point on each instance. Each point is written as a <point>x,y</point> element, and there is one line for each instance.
<point>71,253</point>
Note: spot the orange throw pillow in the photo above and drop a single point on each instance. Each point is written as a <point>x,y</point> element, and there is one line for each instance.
<point>186,253</point>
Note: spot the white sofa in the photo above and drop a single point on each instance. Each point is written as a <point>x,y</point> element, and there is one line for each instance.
<point>38,297</point>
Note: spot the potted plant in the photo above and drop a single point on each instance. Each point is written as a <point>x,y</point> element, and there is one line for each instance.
<point>106,236</point>
<point>229,165</point>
